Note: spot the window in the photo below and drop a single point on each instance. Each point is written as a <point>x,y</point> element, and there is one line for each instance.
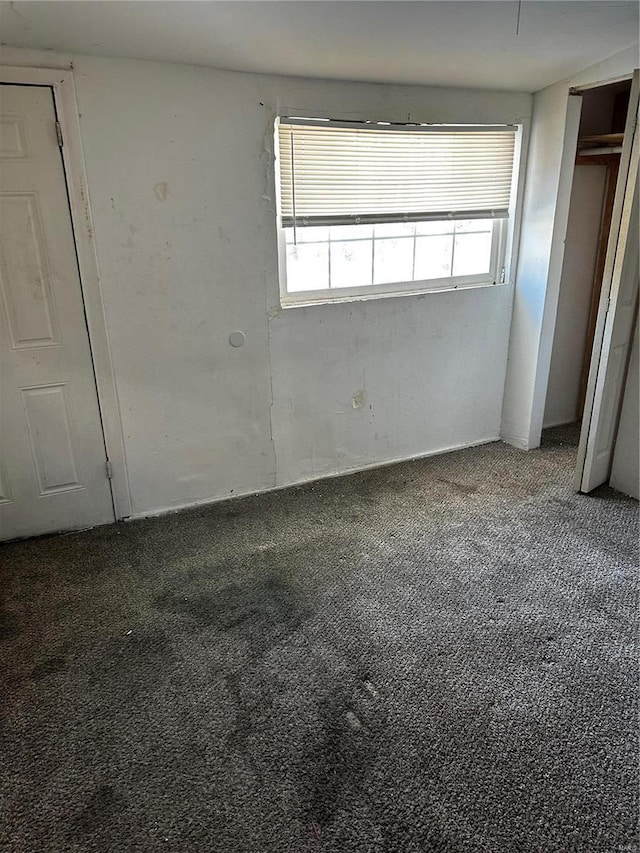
<point>372,209</point>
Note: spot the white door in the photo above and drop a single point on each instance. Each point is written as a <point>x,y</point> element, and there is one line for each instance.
<point>53,472</point>
<point>625,468</point>
<point>615,322</point>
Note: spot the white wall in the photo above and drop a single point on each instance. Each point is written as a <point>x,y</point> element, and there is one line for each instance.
<point>574,301</point>
<point>625,472</point>
<point>554,132</point>
<point>180,170</point>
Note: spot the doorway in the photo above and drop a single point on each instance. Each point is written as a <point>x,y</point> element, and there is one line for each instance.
<point>53,463</point>
<point>599,212</point>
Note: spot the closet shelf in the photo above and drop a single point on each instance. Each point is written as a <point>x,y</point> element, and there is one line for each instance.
<point>600,140</point>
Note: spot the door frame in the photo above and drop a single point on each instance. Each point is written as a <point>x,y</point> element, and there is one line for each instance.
<point>614,258</point>
<point>523,411</point>
<point>60,81</point>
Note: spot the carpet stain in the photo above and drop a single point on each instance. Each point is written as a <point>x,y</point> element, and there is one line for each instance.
<point>337,764</point>
<point>257,595</point>
<point>50,666</point>
<point>343,752</point>
<point>459,487</point>
<point>103,804</point>
<point>253,709</point>
<point>9,626</point>
<point>265,609</point>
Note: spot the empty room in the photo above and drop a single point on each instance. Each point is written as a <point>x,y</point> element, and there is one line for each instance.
<point>319,426</point>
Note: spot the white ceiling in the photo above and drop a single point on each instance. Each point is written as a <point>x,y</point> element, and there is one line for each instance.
<point>451,43</point>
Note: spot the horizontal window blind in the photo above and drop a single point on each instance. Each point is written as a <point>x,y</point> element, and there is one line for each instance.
<point>333,174</point>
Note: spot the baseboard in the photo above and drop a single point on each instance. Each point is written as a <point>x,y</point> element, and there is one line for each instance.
<point>555,424</point>
<point>154,513</point>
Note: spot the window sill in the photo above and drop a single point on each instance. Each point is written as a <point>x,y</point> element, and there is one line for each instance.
<point>305,299</point>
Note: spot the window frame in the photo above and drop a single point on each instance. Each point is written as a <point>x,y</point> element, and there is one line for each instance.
<point>503,234</point>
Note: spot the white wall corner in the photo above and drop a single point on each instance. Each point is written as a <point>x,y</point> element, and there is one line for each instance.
<point>556,258</point>
<point>549,173</point>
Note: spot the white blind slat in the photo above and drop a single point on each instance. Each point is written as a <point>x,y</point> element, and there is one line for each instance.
<point>336,171</point>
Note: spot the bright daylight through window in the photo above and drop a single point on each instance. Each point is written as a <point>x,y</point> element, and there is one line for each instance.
<point>368,209</point>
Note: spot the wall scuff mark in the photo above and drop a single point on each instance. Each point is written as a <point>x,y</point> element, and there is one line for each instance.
<point>161,191</point>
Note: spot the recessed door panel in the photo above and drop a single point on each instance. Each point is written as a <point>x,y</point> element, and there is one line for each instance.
<point>13,140</point>
<point>24,272</point>
<point>52,441</point>
<point>5,496</point>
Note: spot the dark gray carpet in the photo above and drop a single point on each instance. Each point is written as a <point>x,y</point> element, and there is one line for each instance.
<point>436,656</point>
